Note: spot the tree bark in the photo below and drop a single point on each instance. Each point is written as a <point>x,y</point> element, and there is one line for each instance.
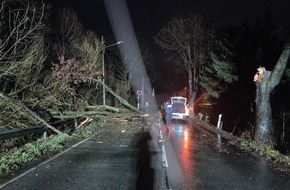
<point>264,130</point>
<point>73,115</point>
<point>104,107</point>
<point>264,122</point>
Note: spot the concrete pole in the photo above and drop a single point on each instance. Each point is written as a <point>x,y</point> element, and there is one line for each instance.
<point>143,93</point>
<point>103,70</point>
<point>103,64</point>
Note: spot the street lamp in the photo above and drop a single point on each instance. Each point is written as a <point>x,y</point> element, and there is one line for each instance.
<point>103,66</point>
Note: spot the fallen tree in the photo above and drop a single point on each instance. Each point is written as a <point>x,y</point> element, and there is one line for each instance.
<point>34,91</point>
<point>16,103</point>
<point>122,101</point>
<point>97,111</point>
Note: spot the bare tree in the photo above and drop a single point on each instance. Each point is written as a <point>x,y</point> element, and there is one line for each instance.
<point>22,53</point>
<point>191,39</point>
<point>21,46</point>
<point>69,30</point>
<point>266,81</point>
<point>120,77</point>
<point>21,31</point>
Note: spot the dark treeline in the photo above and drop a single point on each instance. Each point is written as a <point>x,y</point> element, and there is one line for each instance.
<point>254,44</point>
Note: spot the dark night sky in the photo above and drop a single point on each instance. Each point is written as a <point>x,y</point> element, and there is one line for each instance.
<point>148,16</point>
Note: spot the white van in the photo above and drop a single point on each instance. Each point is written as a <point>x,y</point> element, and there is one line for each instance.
<point>179,108</point>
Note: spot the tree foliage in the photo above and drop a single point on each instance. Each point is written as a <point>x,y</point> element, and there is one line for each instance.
<point>253,44</point>
<point>221,71</point>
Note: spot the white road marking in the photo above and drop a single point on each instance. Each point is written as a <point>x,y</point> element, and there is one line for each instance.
<point>164,158</point>
<point>161,136</point>
<point>165,162</point>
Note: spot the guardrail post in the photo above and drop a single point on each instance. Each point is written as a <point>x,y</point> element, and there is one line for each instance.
<point>219,122</point>
<point>206,119</point>
<point>199,116</point>
<point>45,135</point>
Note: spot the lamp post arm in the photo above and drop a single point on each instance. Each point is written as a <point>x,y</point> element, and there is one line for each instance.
<point>103,65</point>
<point>119,42</point>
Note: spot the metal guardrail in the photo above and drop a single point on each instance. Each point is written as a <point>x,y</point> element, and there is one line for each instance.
<point>20,132</point>
<point>8,134</point>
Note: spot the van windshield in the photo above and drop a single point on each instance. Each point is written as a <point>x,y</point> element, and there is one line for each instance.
<point>178,107</point>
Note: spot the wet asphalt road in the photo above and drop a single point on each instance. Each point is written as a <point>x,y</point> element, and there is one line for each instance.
<point>97,165</point>
<point>195,159</point>
<point>201,160</point>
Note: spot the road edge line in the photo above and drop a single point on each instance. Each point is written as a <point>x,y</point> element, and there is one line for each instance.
<point>46,161</point>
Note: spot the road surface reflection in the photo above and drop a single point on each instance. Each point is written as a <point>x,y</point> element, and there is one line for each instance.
<point>198,159</point>
<point>180,147</point>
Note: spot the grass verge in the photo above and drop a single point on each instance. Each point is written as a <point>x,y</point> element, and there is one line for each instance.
<point>18,156</point>
<point>263,150</point>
